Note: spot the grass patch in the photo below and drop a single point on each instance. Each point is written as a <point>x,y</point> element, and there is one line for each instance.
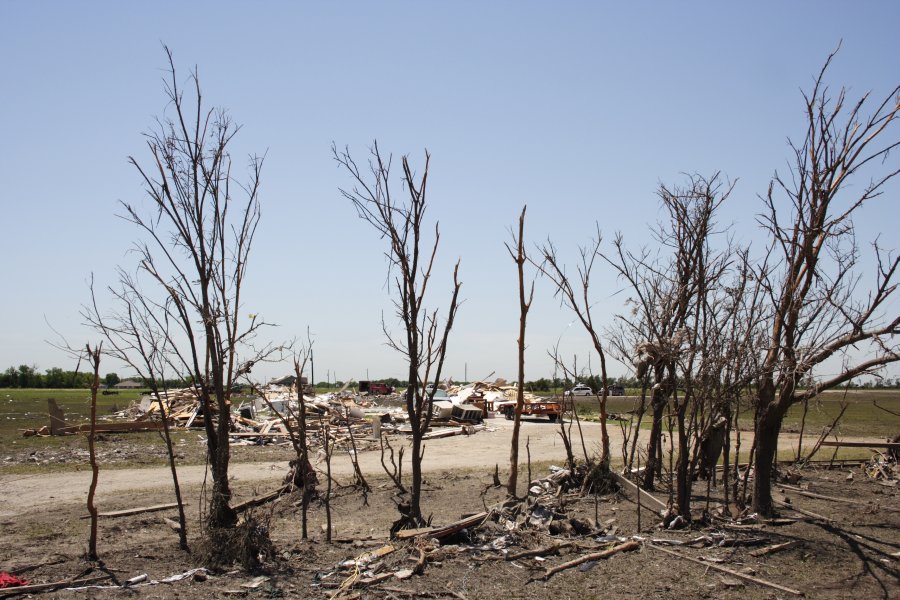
<point>27,408</point>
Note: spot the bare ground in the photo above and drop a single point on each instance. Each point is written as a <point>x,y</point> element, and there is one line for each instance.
<point>852,554</point>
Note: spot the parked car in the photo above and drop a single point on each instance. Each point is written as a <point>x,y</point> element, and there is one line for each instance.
<point>580,390</point>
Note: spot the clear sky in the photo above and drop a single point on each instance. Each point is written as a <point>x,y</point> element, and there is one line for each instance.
<point>577,109</point>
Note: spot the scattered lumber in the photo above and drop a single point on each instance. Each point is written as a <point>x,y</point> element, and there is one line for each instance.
<point>731,572</point>
<point>886,445</point>
<point>626,547</point>
<point>442,532</point>
<point>50,587</point>
<point>115,427</point>
<point>448,432</point>
<point>659,504</point>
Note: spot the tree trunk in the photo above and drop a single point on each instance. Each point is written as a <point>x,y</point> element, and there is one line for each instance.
<point>95,468</point>
<point>415,492</point>
<point>683,480</point>
<point>220,512</point>
<point>657,404</point>
<point>768,427</point>
<point>170,453</point>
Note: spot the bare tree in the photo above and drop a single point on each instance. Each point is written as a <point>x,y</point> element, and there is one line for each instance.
<point>137,333</point>
<point>424,341</point>
<point>818,310</point>
<point>577,299</point>
<point>200,229</point>
<point>519,258</point>
<point>689,323</point>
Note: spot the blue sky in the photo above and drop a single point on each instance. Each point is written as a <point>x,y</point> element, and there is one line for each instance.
<point>577,109</point>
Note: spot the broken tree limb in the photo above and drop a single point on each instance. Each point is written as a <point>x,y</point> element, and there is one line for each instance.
<point>644,495</point>
<point>135,511</point>
<point>626,547</point>
<point>258,500</point>
<point>775,548</point>
<point>731,572</point>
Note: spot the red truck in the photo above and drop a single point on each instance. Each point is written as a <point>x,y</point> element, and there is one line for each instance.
<point>375,388</point>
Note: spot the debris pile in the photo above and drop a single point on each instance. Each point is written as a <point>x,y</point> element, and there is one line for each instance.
<point>354,422</point>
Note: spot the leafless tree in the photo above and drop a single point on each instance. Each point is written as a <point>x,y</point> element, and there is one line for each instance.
<point>687,313</point>
<point>820,307</point>
<point>518,256</point>
<point>199,231</point>
<point>137,334</point>
<point>667,295</point>
<point>424,340</point>
<point>577,298</point>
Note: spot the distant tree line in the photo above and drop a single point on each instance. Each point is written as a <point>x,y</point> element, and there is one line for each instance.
<point>24,376</point>
<point>56,378</point>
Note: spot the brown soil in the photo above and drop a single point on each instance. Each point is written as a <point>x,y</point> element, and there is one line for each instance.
<point>853,555</point>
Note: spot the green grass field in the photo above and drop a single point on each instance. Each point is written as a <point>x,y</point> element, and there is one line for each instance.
<point>861,419</point>
<point>27,408</point>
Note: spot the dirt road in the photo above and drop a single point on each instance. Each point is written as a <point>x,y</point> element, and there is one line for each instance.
<point>116,488</point>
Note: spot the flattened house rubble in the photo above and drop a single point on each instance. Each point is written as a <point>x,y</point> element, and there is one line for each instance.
<point>266,416</point>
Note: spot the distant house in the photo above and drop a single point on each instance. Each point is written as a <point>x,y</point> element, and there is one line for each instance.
<point>129,384</point>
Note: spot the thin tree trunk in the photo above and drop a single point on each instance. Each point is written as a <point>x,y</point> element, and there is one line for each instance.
<point>170,452</point>
<point>654,447</point>
<point>524,305</point>
<point>95,468</point>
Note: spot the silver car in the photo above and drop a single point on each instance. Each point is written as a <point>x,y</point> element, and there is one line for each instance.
<point>580,390</point>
